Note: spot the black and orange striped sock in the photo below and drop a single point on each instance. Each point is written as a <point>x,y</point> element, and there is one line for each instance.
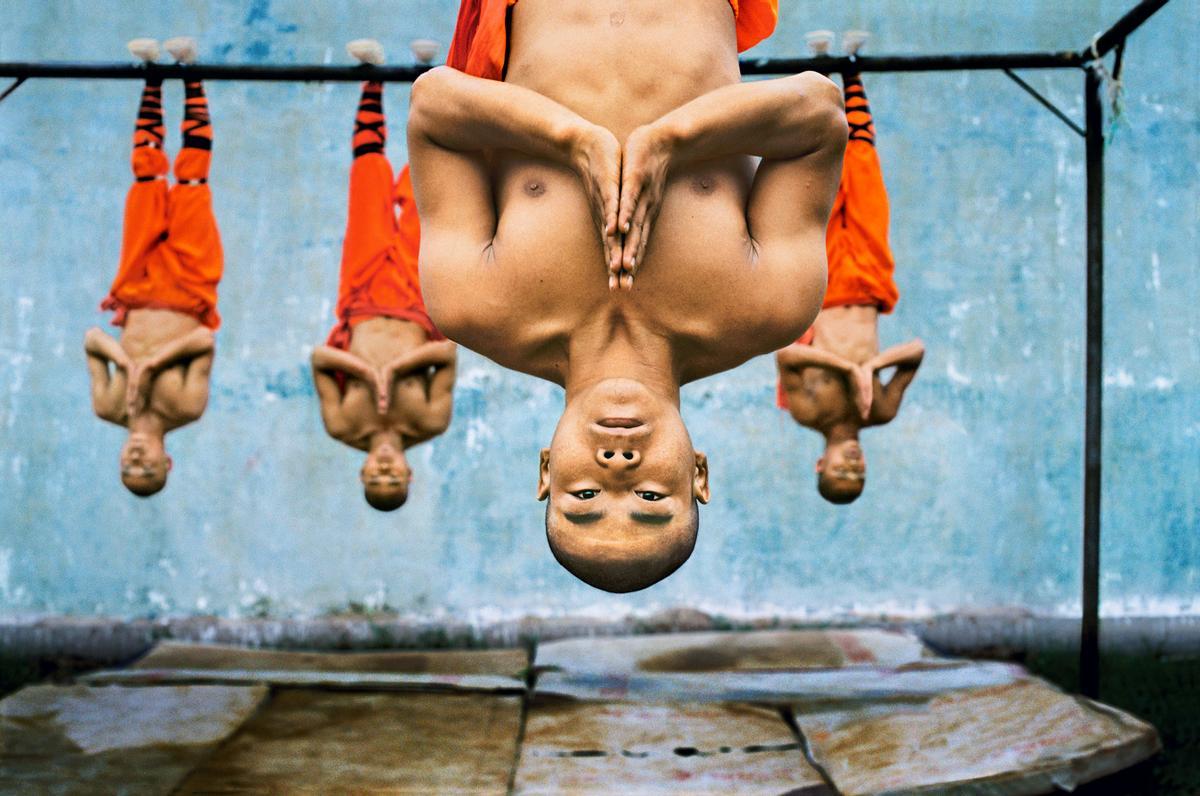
<point>197,131</point>
<point>149,130</point>
<point>858,110</point>
<point>370,125</point>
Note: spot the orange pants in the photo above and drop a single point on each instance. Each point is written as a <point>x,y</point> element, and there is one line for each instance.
<point>379,255</point>
<point>480,43</point>
<point>171,254</point>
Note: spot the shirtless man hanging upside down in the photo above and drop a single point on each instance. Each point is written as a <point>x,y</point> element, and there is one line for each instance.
<point>597,220</point>
<point>829,380</point>
<point>165,293</point>
<point>385,377</point>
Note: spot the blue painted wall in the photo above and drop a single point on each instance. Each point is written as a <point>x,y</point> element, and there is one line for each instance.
<point>975,494</point>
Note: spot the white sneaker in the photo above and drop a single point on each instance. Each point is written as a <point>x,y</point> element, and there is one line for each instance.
<point>144,49</point>
<point>853,41</point>
<point>819,41</point>
<point>183,49</point>
<point>424,50</point>
<point>367,51</point>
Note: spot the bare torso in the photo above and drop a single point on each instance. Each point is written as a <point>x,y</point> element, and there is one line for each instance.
<point>173,389</point>
<point>850,332</point>
<point>619,65</point>
<point>379,341</point>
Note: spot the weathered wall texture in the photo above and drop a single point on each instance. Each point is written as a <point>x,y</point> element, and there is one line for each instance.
<point>974,498</point>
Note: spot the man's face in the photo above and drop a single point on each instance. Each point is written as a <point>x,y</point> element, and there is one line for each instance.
<point>385,477</point>
<point>622,479</point>
<point>843,468</point>
<point>144,464</point>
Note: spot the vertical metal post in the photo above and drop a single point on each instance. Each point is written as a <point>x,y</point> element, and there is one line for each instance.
<point>1089,635</point>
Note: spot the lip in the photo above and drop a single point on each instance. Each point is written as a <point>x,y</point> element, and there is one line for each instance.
<point>619,422</point>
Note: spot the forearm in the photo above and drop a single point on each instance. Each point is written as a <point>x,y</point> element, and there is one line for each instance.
<point>456,111</point>
<point>197,343</point>
<point>98,345</point>
<point>777,119</point>
<point>798,356</point>
<point>326,359</point>
<point>905,356</point>
<point>433,354</point>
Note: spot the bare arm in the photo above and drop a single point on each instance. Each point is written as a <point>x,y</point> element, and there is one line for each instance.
<point>906,358</point>
<point>795,121</point>
<point>454,119</point>
<point>441,399</point>
<point>195,344</point>
<point>192,401</point>
<point>428,355</point>
<point>108,387</point>
<point>798,356</point>
<point>327,361</point>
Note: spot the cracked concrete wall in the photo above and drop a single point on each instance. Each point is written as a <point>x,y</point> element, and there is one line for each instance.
<point>975,496</point>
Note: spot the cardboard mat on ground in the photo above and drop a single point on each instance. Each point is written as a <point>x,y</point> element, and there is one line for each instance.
<point>596,748</point>
<point>75,739</point>
<point>1025,737</point>
<point>475,670</point>
<point>819,668</point>
<point>379,743</point>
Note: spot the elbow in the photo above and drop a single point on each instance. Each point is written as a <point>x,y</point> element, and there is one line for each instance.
<point>823,106</point>
<point>428,93</point>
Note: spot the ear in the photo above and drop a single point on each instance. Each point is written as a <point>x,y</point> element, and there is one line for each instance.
<point>169,463</point>
<point>543,488</point>
<point>700,489</point>
<point>820,467</point>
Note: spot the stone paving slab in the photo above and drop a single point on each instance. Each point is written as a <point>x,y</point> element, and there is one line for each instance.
<point>588,748</point>
<point>1022,738</point>
<point>813,690</point>
<point>76,739</point>
<point>758,651</point>
<point>378,743</point>
<point>175,662</point>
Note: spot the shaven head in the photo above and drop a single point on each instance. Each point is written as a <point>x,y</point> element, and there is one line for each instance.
<point>144,463</point>
<point>385,476</point>
<point>842,472</point>
<point>623,483</point>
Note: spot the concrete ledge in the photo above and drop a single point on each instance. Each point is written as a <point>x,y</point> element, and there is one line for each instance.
<point>1005,634</point>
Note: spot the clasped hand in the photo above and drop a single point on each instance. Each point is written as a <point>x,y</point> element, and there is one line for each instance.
<point>624,187</point>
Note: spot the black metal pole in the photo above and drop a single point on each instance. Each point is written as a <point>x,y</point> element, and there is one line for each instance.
<point>1089,634</point>
<point>408,73</point>
<point>1121,29</point>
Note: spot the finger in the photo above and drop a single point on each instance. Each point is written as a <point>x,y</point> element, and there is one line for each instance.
<point>612,206</point>
<point>629,204</point>
<point>635,240</point>
<point>627,281</point>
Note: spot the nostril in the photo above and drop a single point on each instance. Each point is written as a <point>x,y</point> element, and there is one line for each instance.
<point>608,454</point>
<point>628,455</point>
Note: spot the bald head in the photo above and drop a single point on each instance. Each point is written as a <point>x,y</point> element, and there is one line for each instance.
<point>839,491</point>
<point>622,552</point>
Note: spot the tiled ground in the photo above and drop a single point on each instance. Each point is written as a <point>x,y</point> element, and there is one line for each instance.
<point>799,712</point>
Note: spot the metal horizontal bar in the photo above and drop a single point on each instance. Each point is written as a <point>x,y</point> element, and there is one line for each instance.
<point>1127,24</point>
<point>318,72</point>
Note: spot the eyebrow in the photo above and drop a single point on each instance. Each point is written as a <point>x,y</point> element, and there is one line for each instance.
<point>651,519</point>
<point>584,518</point>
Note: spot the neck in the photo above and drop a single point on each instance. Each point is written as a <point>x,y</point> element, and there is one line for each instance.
<point>840,432</point>
<point>147,423</point>
<point>648,360</point>
<point>386,435</point>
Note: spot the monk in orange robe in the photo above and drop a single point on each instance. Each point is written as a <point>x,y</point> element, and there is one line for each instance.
<point>385,376</point>
<point>156,378</point>
<point>830,378</point>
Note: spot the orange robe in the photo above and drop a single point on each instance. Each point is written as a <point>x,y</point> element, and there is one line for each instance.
<point>379,254</point>
<point>171,254</point>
